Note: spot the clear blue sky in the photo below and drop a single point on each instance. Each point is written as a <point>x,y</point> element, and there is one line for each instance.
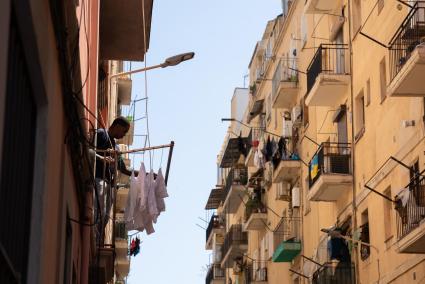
<point>186,104</point>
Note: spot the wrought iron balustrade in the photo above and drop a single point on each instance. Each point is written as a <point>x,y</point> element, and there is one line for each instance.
<point>328,59</point>
<point>408,36</point>
<point>330,158</point>
<point>235,236</point>
<point>332,273</point>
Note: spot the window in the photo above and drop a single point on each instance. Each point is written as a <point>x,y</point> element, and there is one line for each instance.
<point>387,214</point>
<point>364,236</point>
<point>360,115</point>
<point>383,77</point>
<point>18,156</point>
<point>368,92</point>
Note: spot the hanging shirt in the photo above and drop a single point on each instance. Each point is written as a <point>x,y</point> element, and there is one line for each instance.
<point>160,191</point>
<point>151,197</point>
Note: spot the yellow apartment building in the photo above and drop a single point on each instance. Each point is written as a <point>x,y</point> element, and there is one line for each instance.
<point>320,178</point>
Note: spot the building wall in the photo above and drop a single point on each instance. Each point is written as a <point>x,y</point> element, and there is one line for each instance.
<point>383,135</point>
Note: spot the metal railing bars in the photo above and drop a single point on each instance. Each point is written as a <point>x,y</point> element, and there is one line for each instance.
<point>330,158</point>
<point>408,36</point>
<point>413,213</point>
<point>329,59</point>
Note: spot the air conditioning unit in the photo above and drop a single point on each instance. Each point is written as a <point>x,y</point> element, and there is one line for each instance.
<point>296,115</point>
<point>287,128</point>
<point>283,191</point>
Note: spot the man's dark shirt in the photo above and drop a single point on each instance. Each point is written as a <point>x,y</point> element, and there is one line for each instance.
<point>104,142</point>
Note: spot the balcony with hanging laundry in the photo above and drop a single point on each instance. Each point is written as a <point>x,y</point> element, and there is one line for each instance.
<point>215,275</point>
<point>286,162</point>
<point>255,212</point>
<point>330,173</point>
<point>328,75</point>
<point>234,246</point>
<point>287,236</point>
<point>216,226</point>
<point>285,83</point>
<point>410,207</point>
<point>407,55</point>
<point>234,189</point>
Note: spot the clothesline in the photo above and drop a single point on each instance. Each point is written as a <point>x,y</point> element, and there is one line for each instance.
<point>138,149</point>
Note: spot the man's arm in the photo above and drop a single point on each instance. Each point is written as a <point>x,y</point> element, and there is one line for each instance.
<point>123,168</point>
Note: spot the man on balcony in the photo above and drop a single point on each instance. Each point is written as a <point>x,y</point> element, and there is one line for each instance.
<point>105,162</point>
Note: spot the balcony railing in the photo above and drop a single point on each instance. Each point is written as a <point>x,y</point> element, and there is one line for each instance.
<point>257,272</point>
<point>254,205</point>
<point>288,240</point>
<point>330,158</point>
<point>328,59</point>
<point>215,223</point>
<point>215,272</point>
<point>330,273</point>
<point>409,35</point>
<point>235,177</point>
<point>285,72</point>
<point>235,236</point>
<point>412,214</point>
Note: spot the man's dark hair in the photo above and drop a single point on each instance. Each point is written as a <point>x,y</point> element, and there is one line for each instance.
<point>121,120</point>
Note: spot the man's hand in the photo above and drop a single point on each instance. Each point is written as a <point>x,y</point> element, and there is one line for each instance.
<point>109,160</point>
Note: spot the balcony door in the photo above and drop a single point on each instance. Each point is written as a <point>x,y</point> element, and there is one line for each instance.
<point>339,53</point>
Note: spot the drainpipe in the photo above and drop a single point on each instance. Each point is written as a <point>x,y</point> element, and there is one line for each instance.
<point>353,204</point>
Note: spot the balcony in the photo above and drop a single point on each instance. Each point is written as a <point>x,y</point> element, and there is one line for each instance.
<point>411,219</point>
<point>257,272</point>
<point>255,215</point>
<point>287,235</point>
<point>122,267</point>
<point>121,201</point>
<point>215,275</point>
<point>235,147</point>
<point>330,174</point>
<point>332,272</point>
<point>407,56</point>
<point>235,244</point>
<point>106,264</point>
<point>124,29</point>
<point>285,84</point>
<point>328,75</point>
<point>216,197</point>
<point>215,226</point>
<point>287,170</point>
<point>234,189</point>
<point>129,136</point>
<point>321,6</point>
<point>253,140</point>
<point>121,239</point>
<point>124,85</point>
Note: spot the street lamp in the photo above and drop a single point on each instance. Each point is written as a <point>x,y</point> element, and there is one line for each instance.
<point>170,61</point>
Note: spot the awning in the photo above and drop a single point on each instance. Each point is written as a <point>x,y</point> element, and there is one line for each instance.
<point>215,198</point>
<point>232,152</point>
<point>122,32</point>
